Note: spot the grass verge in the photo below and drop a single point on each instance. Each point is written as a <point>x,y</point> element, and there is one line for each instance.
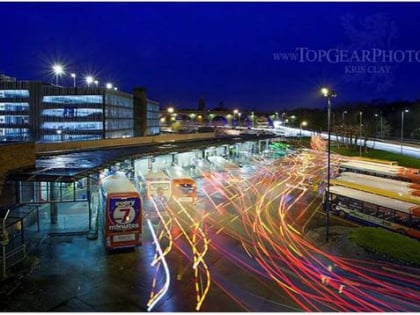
<point>387,244</point>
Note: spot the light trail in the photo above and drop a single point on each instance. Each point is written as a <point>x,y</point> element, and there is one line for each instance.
<point>156,298</point>
<point>198,255</point>
<point>263,212</point>
<point>370,306</point>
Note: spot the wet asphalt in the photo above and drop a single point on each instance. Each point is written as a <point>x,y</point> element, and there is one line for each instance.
<point>72,273</point>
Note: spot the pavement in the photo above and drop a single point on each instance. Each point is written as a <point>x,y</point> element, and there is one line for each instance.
<point>72,273</point>
<point>68,272</point>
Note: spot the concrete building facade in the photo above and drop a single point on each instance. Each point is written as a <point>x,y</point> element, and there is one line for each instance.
<point>39,112</point>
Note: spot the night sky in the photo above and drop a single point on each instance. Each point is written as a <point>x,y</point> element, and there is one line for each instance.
<point>224,52</point>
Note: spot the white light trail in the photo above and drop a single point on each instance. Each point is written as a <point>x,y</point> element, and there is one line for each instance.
<point>165,287</point>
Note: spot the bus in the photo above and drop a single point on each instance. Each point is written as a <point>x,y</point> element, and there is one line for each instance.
<point>158,186</point>
<point>394,192</point>
<point>184,187</point>
<point>393,186</point>
<point>381,170</point>
<point>122,212</point>
<point>370,209</point>
<point>365,159</point>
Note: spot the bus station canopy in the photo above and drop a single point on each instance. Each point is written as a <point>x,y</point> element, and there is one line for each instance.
<point>72,166</point>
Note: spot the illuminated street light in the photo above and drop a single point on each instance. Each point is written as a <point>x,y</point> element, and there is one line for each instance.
<point>58,70</point>
<point>380,122</point>
<point>328,94</point>
<point>60,133</point>
<point>170,110</point>
<point>235,112</point>
<point>342,117</point>
<point>89,79</point>
<point>73,75</point>
<point>402,128</point>
<point>109,86</point>
<point>96,83</point>
<point>325,92</point>
<point>303,124</point>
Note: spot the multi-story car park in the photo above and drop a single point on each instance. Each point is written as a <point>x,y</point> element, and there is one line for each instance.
<point>40,112</point>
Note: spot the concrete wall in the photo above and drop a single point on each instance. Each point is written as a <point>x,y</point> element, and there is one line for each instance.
<point>13,156</point>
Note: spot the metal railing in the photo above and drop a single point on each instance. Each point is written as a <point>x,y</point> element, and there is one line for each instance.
<point>13,257</point>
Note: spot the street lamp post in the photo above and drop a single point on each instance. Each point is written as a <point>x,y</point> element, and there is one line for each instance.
<point>342,117</point>
<point>380,125</point>
<point>89,79</point>
<point>360,136</point>
<point>302,124</point>
<point>402,128</point>
<point>60,133</point>
<point>380,119</point>
<point>73,75</point>
<point>58,70</point>
<point>235,113</point>
<point>328,94</point>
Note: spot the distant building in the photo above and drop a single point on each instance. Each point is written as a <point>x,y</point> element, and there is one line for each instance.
<point>35,111</point>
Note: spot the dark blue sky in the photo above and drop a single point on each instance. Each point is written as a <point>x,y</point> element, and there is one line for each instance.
<point>226,52</point>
